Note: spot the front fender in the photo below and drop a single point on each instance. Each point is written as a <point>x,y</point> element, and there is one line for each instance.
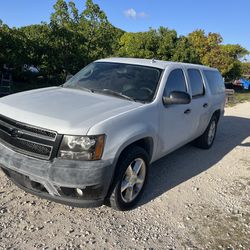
<point>133,134</point>
<point>123,130</point>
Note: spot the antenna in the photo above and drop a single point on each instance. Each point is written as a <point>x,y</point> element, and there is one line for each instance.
<point>153,60</point>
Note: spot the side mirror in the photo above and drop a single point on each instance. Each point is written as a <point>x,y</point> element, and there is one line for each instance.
<point>177,97</point>
<point>68,77</point>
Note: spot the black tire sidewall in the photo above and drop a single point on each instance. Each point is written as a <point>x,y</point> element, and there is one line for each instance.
<point>202,141</point>
<point>128,156</point>
<point>213,119</point>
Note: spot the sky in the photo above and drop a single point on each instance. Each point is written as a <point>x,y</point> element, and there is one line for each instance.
<point>230,18</point>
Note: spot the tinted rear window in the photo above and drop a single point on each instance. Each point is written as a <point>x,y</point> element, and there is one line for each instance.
<point>215,81</point>
<point>196,82</point>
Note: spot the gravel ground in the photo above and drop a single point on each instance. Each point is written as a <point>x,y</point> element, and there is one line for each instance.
<point>195,199</point>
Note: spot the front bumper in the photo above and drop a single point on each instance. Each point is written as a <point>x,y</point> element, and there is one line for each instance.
<point>75,183</point>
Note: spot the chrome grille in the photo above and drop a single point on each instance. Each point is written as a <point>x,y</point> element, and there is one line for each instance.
<point>30,140</point>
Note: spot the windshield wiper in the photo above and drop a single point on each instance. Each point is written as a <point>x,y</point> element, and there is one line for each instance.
<point>85,89</point>
<point>106,91</point>
<point>78,87</point>
<point>114,93</point>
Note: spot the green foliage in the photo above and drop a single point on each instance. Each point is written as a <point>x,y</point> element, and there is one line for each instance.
<point>211,52</point>
<point>140,45</point>
<point>185,52</point>
<point>99,33</point>
<point>13,47</point>
<point>167,42</point>
<point>69,42</point>
<point>163,44</point>
<point>153,43</point>
<point>246,69</point>
<point>74,38</point>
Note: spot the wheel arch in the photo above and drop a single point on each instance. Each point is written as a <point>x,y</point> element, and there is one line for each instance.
<point>217,114</point>
<point>147,143</point>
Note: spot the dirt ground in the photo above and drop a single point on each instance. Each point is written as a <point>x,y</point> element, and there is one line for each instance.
<point>195,199</point>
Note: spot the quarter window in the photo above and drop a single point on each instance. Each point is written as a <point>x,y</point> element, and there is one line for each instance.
<point>176,82</point>
<point>196,82</point>
<point>215,81</point>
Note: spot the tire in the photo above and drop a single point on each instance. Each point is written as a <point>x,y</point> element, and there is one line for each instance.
<point>206,140</point>
<point>134,159</point>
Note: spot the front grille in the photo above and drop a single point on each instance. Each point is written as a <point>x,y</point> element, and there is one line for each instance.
<point>38,131</point>
<point>29,140</point>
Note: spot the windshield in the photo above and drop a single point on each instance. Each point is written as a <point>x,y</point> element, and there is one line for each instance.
<point>128,81</point>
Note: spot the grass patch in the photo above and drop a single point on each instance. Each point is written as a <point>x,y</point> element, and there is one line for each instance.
<point>239,97</point>
<point>242,96</point>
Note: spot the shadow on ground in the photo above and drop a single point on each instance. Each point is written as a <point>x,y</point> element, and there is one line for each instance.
<point>188,161</point>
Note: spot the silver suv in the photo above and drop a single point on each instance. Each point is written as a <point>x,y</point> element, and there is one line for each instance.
<point>91,140</point>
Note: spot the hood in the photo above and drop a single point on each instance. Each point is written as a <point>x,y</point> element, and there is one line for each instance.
<point>67,111</point>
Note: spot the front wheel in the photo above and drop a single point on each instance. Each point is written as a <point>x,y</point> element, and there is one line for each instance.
<point>206,140</point>
<point>131,176</point>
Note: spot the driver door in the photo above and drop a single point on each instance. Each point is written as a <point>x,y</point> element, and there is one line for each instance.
<point>176,120</point>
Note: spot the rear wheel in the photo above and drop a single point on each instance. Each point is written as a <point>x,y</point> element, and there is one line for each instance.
<point>206,140</point>
<point>130,179</point>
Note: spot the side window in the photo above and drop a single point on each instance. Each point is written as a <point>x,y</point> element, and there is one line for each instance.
<point>176,82</point>
<point>196,82</point>
<point>215,81</point>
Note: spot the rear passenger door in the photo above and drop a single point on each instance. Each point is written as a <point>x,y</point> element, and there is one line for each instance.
<point>200,102</point>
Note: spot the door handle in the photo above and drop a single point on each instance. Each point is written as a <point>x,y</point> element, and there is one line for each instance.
<point>205,105</point>
<point>187,111</point>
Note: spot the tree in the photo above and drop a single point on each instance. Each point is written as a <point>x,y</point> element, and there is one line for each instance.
<point>13,47</point>
<point>140,45</point>
<point>167,40</point>
<point>99,33</point>
<point>212,53</point>
<point>226,59</point>
<point>37,39</point>
<point>78,39</point>
<point>158,44</point>
<point>61,15</point>
<point>184,51</point>
<point>65,38</point>
<point>203,43</point>
<point>74,38</point>
<point>246,69</point>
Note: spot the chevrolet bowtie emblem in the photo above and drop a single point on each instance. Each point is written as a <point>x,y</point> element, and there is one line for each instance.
<point>15,133</point>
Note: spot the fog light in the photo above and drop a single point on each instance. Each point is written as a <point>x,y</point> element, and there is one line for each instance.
<point>79,192</point>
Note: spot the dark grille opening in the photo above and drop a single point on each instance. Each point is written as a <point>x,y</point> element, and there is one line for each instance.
<point>86,193</point>
<point>29,140</point>
<point>38,131</point>
<point>33,147</point>
<point>26,127</point>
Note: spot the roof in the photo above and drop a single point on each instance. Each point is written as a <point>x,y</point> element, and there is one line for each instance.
<point>149,62</point>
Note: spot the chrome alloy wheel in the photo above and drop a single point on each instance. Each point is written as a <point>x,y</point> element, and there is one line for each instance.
<point>211,132</point>
<point>133,180</point>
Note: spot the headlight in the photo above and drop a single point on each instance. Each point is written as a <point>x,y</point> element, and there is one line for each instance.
<point>81,147</point>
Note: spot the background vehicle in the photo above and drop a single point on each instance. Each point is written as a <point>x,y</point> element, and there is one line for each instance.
<point>92,140</point>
